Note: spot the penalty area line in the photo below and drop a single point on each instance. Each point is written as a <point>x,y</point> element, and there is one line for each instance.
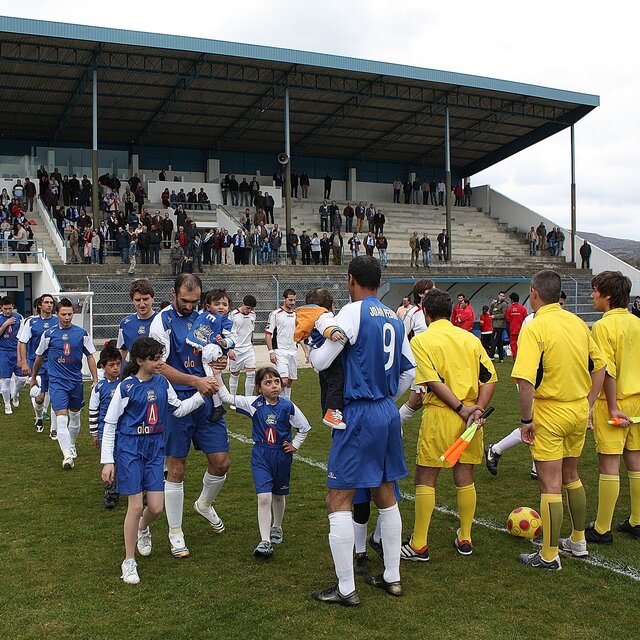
<point>626,570</point>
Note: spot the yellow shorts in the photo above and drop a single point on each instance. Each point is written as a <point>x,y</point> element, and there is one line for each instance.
<point>613,440</point>
<point>561,428</point>
<point>440,428</point>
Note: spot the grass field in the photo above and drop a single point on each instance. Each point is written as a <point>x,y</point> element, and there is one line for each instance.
<point>61,554</point>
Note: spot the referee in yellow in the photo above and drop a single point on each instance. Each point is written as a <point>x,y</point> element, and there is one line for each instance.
<point>460,380</point>
<point>618,336</point>
<point>559,365</point>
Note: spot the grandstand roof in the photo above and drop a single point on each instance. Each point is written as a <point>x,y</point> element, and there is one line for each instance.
<point>169,90</point>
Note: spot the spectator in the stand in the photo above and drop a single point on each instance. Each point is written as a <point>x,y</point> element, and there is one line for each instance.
<point>379,221</point>
<point>397,186</point>
<point>278,178</point>
<point>162,176</point>
<point>254,187</point>
<point>129,199</point>
<point>182,197</point>
<point>415,191</point>
<point>304,184</point>
<point>115,184</point>
<point>259,218</point>
<point>30,194</point>
<point>187,265</point>
<point>22,238</point>
<point>325,248</point>
<point>73,245</point>
<point>155,238</point>
<point>315,248</point>
<point>258,201</point>
<point>74,190</point>
<point>458,194</point>
<point>239,243</point>
<point>275,242</point>
<point>182,237</point>
<point>294,184</point>
<point>269,204</point>
<point>165,198</point>
<point>327,186</point>
<point>167,230</point>
<point>176,256</point>
<point>133,253</point>
<point>194,251</point>
<point>635,307</point>
<point>360,212</point>
<point>354,243</point>
<point>425,191</point>
<point>5,199</point>
<point>245,191</point>
<point>95,247</point>
<point>382,245</point>
<point>532,239</point>
<point>337,244</point>
<point>207,246</point>
<point>143,245</point>
<point>433,192</point>
<point>181,216</point>
<point>43,181</point>
<point>173,198</point>
<point>216,257</point>
<point>133,182</point>
<point>323,210</point>
<point>551,242</point>
<point>347,214</point>
<point>407,188</point>
<point>59,216</point>
<point>425,247</point>
<point>140,196</point>
<point>254,242</point>
<point>246,220</point>
<point>559,241</point>
<point>371,214</point>
<point>103,234</point>
<point>369,243</point>
<point>85,198</point>
<point>542,236</point>
<point>585,254</point>
<point>414,245</point>
<point>192,199</point>
<point>468,192</point>
<point>18,191</point>
<point>443,245</point>
<point>224,188</point>
<point>336,219</point>
<point>442,187</point>
<point>225,246</point>
<point>292,245</point>
<point>305,247</point>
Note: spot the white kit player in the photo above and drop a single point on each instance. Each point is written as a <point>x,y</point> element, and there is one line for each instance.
<point>244,323</point>
<point>278,336</point>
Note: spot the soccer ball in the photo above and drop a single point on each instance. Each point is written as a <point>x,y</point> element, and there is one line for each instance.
<point>524,522</point>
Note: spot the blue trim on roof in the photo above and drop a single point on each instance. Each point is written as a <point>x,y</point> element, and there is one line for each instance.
<point>25,26</point>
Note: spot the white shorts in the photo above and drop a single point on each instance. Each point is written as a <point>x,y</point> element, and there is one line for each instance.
<point>287,364</point>
<point>245,359</point>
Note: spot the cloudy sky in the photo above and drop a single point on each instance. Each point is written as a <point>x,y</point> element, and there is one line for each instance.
<point>590,47</point>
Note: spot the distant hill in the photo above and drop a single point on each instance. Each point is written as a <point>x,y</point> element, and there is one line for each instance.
<point>627,250</point>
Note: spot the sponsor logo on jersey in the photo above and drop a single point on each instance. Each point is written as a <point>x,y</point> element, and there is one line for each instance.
<point>152,414</point>
<point>270,435</point>
<point>66,348</point>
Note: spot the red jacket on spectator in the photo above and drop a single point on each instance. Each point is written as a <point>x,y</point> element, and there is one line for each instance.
<point>486,325</point>
<point>464,318</point>
<point>515,316</point>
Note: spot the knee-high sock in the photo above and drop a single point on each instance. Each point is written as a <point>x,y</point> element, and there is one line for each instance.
<point>608,492</point>
<point>264,515</point>
<point>360,536</point>
<point>341,544</point>
<point>425,504</point>
<point>54,421</point>
<point>174,505</point>
<point>47,401</point>
<point>5,387</point>
<point>634,491</point>
<point>377,536</point>
<point>249,383</point>
<point>211,486</point>
<point>286,393</point>
<point>64,440</point>
<point>508,442</point>
<point>19,383</point>
<point>74,426</point>
<point>391,529</point>
<point>466,509</point>
<point>278,504</point>
<point>551,512</point>
<point>233,384</point>
<point>38,409</point>
<point>577,501</point>
<point>405,413</point>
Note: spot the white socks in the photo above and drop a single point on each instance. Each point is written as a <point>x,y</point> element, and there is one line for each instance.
<point>286,393</point>
<point>249,383</point>
<point>376,534</point>
<point>360,536</point>
<point>74,426</point>
<point>19,383</point>
<point>38,409</point>
<point>508,442</point>
<point>391,529</point>
<point>233,384</point>
<point>64,439</point>
<point>173,504</point>
<point>264,515</point>
<point>278,504</point>
<point>405,413</point>
<point>6,391</point>
<point>341,543</point>
<point>211,486</point>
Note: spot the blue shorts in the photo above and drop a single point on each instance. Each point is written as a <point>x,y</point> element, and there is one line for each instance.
<point>208,437</point>
<point>9,365</point>
<point>66,398</point>
<point>271,469</point>
<point>364,495</point>
<point>369,451</point>
<point>139,463</point>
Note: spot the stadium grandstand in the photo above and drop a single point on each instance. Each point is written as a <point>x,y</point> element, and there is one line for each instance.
<point>145,121</point>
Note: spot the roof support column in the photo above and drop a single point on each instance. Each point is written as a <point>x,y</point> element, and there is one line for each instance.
<point>287,167</point>
<point>447,167</point>
<point>573,196</point>
<point>95,205</point>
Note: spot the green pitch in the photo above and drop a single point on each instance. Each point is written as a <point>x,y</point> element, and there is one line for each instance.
<point>61,554</point>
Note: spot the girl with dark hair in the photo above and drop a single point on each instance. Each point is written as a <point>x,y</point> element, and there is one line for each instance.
<point>137,412</point>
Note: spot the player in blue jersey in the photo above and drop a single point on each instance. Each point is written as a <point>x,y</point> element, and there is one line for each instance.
<point>368,454</point>
<point>137,412</point>
<point>272,454</point>
<point>63,347</point>
<point>137,325</point>
<point>183,369</point>
<point>110,363</point>
<point>9,324</point>
<point>29,335</point>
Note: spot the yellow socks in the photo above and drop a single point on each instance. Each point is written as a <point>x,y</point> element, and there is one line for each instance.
<point>634,491</point>
<point>551,512</point>
<point>608,491</point>
<point>577,501</point>
<point>425,504</point>
<point>467,509</point>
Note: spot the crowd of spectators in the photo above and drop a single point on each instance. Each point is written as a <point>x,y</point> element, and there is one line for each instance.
<point>430,192</point>
<point>16,232</point>
<point>542,240</point>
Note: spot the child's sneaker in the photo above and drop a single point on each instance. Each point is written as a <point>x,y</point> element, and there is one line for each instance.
<point>130,572</point>
<point>333,418</point>
<point>144,543</point>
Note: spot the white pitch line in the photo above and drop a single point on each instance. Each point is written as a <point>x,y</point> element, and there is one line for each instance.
<point>626,570</point>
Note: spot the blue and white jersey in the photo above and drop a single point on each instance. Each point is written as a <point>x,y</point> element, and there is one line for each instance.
<point>207,327</point>
<point>376,354</point>
<point>171,330</point>
<point>140,408</point>
<point>63,350</point>
<point>31,331</point>
<point>101,395</point>
<point>271,422</point>
<point>9,337</point>
<point>131,328</point>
